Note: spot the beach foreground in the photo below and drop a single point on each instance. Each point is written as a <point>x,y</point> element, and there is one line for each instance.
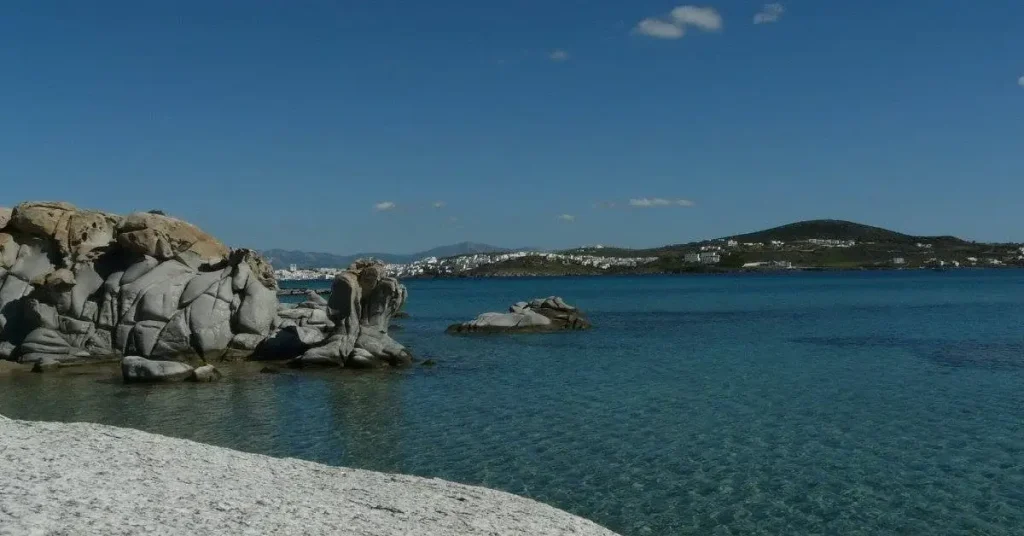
<point>80,478</point>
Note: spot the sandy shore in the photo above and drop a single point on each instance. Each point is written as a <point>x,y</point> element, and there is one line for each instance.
<point>79,478</point>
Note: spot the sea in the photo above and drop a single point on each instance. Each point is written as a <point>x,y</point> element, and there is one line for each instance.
<point>776,404</point>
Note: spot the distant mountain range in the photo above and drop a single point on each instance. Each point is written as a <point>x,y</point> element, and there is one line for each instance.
<point>282,258</point>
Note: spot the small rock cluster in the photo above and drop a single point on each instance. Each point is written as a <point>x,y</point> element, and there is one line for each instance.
<point>536,316</point>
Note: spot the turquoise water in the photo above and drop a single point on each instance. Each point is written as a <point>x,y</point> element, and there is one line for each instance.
<point>848,403</point>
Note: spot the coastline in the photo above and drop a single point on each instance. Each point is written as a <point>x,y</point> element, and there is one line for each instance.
<point>85,478</point>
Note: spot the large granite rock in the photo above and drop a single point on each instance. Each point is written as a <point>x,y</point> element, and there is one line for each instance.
<point>363,301</point>
<point>79,285</point>
<point>537,316</point>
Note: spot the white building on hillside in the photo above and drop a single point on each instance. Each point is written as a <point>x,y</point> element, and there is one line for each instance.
<point>710,257</point>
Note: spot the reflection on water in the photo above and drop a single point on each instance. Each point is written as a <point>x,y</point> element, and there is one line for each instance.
<point>318,416</point>
<point>801,404</point>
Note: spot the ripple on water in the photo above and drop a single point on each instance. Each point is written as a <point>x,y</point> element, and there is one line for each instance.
<point>811,404</point>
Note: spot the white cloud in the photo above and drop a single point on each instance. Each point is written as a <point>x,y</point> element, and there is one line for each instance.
<point>705,18</point>
<point>659,29</point>
<point>439,204</point>
<point>674,26</point>
<point>1020,81</point>
<point>567,218</point>
<point>384,206</point>
<point>648,202</point>
<point>558,55</point>
<point>769,13</point>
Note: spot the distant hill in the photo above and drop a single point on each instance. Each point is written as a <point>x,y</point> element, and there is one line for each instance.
<point>839,230</point>
<point>794,232</point>
<point>282,258</point>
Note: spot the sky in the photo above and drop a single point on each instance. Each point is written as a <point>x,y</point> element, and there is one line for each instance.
<point>396,126</point>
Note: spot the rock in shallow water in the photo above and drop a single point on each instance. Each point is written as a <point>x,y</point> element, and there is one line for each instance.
<point>205,374</point>
<point>46,365</point>
<point>136,369</point>
<point>537,316</point>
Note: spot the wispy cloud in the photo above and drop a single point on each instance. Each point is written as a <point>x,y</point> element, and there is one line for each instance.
<point>1020,81</point>
<point>567,218</point>
<point>674,25</point>
<point>384,206</point>
<point>605,204</point>
<point>659,29</point>
<point>648,202</point>
<point>769,13</point>
<point>558,55</point>
<point>439,204</point>
<point>705,18</point>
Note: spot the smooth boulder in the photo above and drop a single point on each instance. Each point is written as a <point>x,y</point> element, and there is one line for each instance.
<point>536,316</point>
<point>136,369</point>
<point>205,374</point>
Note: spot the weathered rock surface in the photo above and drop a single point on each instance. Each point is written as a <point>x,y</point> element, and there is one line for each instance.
<point>86,479</point>
<point>537,316</point>
<point>136,369</point>
<point>363,301</point>
<point>205,374</point>
<point>79,285</point>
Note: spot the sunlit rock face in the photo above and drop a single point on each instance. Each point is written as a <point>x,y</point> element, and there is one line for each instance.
<point>79,285</point>
<point>536,316</point>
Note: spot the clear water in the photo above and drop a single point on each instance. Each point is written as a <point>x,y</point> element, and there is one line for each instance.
<point>852,403</point>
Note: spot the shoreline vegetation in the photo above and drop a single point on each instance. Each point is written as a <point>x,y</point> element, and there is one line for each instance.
<point>62,477</point>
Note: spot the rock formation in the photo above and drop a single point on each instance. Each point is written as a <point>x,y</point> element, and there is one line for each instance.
<point>79,286</point>
<point>537,316</point>
<point>358,315</point>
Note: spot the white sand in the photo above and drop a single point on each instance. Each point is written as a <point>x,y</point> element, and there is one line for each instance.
<point>78,478</point>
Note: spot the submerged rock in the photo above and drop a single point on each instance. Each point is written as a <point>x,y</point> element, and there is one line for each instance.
<point>205,374</point>
<point>46,365</point>
<point>136,369</point>
<point>537,316</point>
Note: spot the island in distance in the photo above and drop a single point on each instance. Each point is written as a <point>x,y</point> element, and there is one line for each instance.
<point>813,245</point>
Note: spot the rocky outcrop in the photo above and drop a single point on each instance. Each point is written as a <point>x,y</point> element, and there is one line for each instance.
<point>355,321</point>
<point>537,316</point>
<point>79,286</point>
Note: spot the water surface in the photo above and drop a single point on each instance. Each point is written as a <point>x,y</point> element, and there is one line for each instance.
<point>847,403</point>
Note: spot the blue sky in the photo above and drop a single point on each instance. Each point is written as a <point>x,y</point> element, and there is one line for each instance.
<point>272,125</point>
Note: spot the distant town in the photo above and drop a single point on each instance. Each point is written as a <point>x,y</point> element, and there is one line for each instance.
<point>462,264</point>
<point>880,249</point>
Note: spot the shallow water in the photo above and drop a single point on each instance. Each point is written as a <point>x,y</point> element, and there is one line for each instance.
<point>847,403</point>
